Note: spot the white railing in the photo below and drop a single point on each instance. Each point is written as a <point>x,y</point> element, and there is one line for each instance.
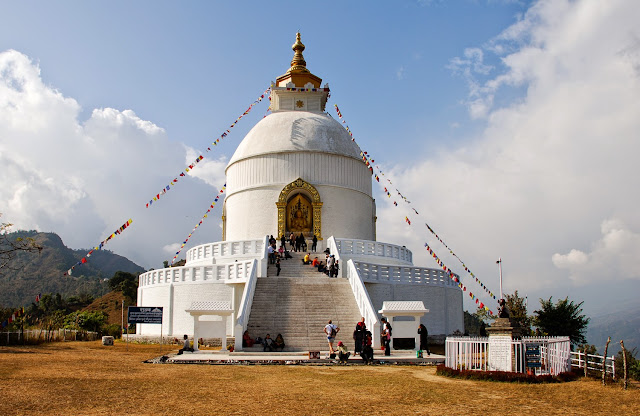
<point>593,362</point>
<point>384,273</point>
<point>356,248</point>
<point>245,306</point>
<point>249,248</point>
<point>237,272</point>
<point>468,353</point>
<point>364,302</point>
<point>472,353</point>
<point>333,249</point>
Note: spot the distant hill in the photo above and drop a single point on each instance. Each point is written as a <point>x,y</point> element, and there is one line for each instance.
<point>111,304</point>
<point>623,325</point>
<point>44,272</point>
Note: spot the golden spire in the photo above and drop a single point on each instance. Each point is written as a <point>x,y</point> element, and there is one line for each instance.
<point>298,74</point>
<point>298,63</point>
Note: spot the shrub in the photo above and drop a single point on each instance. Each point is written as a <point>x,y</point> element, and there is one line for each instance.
<point>504,376</point>
<point>113,330</point>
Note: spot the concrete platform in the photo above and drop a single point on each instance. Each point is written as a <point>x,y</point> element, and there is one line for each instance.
<point>216,357</point>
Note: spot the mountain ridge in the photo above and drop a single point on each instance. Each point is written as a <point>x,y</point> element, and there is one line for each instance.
<point>44,272</point>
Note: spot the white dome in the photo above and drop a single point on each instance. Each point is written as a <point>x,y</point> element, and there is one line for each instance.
<point>296,131</point>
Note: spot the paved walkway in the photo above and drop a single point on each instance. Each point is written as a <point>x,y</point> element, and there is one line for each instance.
<point>241,357</point>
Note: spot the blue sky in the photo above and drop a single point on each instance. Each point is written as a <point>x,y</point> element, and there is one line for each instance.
<point>511,125</point>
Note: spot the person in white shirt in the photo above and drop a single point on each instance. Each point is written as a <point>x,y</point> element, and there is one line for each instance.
<point>331,330</point>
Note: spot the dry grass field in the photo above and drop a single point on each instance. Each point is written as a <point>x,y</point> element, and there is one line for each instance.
<point>77,378</point>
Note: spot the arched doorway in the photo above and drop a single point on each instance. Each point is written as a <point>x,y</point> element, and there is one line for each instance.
<point>300,210</point>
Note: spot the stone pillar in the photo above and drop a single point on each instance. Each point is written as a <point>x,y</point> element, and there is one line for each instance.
<point>501,333</point>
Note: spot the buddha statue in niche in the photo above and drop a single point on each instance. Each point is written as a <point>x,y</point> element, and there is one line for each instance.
<point>298,215</point>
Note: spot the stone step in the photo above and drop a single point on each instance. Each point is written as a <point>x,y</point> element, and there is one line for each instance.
<point>299,308</point>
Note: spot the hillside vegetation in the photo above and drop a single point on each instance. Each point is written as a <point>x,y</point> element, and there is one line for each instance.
<point>44,272</point>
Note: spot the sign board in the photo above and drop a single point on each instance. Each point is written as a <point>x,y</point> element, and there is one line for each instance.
<point>144,315</point>
<point>532,356</point>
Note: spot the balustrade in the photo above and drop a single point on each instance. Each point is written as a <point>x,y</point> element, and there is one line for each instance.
<point>237,271</point>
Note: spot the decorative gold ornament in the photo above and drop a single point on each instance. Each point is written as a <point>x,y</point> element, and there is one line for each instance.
<point>299,103</point>
<point>299,220</point>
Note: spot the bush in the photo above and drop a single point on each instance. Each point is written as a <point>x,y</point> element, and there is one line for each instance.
<point>633,364</point>
<point>504,376</point>
<point>113,330</point>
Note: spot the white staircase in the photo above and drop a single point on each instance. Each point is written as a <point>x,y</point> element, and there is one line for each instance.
<point>299,303</point>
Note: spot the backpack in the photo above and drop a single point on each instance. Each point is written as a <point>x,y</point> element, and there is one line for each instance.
<point>333,332</point>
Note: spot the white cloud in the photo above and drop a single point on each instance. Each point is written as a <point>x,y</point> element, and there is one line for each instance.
<point>613,257</point>
<point>551,162</point>
<point>85,179</point>
<point>400,73</point>
<point>211,171</point>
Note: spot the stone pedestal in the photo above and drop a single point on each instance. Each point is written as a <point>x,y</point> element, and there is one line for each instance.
<point>501,333</point>
<point>504,326</point>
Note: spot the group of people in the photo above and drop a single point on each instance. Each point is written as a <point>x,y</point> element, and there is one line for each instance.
<point>361,336</point>
<point>299,243</point>
<point>275,254</point>
<point>330,267</point>
<point>268,343</point>
<point>362,339</point>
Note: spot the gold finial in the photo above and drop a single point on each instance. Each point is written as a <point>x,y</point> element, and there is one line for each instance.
<point>298,63</point>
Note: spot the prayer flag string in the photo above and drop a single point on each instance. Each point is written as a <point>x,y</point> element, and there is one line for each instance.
<point>200,223</point>
<point>191,166</point>
<point>17,313</point>
<point>370,163</point>
<point>99,246</point>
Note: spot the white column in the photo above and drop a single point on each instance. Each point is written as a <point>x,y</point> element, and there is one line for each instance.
<point>196,322</point>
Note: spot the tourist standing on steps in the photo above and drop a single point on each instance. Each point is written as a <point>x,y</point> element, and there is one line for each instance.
<point>386,336</point>
<point>271,254</point>
<point>358,336</point>
<point>283,241</point>
<point>314,244</point>
<point>331,330</point>
<point>278,266</point>
<point>292,241</point>
<point>424,338</point>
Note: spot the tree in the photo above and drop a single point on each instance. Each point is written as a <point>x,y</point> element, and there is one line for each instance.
<point>474,325</point>
<point>125,282</point>
<point>562,319</point>
<point>88,321</point>
<point>10,247</point>
<point>633,363</point>
<point>518,309</point>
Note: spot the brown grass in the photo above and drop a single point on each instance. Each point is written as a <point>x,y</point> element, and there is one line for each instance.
<point>86,378</point>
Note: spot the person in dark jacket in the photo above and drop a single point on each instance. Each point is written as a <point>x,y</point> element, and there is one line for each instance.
<point>358,336</point>
<point>424,341</point>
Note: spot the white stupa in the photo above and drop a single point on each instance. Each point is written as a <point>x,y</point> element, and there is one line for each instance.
<point>297,171</point>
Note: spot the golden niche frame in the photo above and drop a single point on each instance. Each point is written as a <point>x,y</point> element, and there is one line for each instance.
<point>309,190</point>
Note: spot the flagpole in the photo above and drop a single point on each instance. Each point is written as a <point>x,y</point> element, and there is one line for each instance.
<point>500,268</point>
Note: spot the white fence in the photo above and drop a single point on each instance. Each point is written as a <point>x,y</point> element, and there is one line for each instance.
<point>37,336</point>
<point>385,273</point>
<point>364,302</point>
<point>245,307</point>
<point>237,272</point>
<point>355,248</point>
<point>538,355</point>
<point>593,362</point>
